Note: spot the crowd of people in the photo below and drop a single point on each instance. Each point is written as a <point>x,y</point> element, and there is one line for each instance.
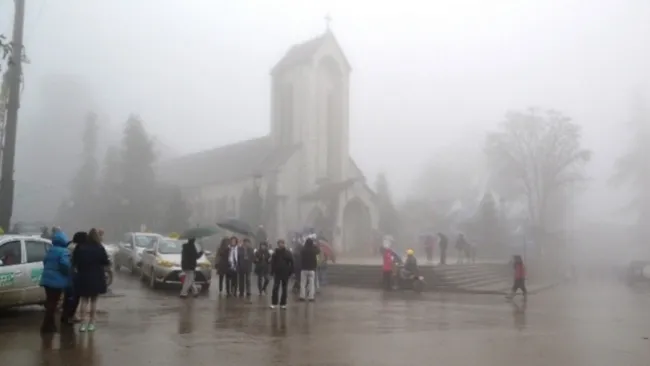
<point>236,261</point>
<point>73,271</point>
<point>395,270</point>
<point>466,250</point>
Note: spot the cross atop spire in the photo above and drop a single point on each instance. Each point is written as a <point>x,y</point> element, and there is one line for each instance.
<point>328,21</point>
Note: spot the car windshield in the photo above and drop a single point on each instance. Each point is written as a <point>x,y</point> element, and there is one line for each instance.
<point>170,246</point>
<point>145,241</point>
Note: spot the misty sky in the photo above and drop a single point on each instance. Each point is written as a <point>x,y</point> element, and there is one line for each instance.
<point>425,77</point>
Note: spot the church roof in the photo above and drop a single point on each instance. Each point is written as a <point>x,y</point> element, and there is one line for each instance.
<point>304,52</point>
<point>226,163</point>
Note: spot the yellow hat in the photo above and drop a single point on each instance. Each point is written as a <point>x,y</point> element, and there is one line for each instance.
<point>410,252</point>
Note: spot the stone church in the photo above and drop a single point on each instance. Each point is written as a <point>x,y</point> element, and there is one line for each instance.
<point>302,171</point>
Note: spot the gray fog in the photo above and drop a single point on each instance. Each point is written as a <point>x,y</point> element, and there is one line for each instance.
<point>428,80</point>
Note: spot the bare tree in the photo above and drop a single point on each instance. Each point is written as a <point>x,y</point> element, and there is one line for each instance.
<point>538,154</point>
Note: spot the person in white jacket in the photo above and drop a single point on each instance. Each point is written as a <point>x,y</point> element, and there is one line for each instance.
<point>231,282</point>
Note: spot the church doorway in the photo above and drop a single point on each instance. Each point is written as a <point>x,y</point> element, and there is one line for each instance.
<point>317,221</point>
<point>357,228</point>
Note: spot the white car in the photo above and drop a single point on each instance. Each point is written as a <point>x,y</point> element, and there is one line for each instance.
<point>129,251</point>
<point>21,267</point>
<point>161,264</point>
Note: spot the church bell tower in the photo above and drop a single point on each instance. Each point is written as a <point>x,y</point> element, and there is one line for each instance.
<point>310,106</point>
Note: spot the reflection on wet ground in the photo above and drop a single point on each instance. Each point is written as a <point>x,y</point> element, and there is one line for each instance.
<point>585,324</point>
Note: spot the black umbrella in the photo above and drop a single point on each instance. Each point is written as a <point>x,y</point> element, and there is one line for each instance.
<point>236,226</point>
<point>199,232</point>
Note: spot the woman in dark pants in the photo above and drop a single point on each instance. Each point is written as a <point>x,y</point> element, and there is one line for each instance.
<point>262,264</point>
<point>222,266</point>
<point>71,300</point>
<point>55,278</point>
<point>90,259</point>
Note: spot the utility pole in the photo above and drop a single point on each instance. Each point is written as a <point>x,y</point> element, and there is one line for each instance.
<point>9,153</point>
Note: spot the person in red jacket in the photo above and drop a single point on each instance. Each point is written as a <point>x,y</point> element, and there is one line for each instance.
<point>387,269</point>
<point>520,276</point>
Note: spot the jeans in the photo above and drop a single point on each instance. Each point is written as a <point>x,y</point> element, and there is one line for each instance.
<point>244,282</point>
<point>519,284</point>
<point>222,278</point>
<point>52,296</point>
<point>307,278</point>
<point>188,284</point>
<point>231,282</point>
<point>279,282</point>
<point>70,304</point>
<point>262,282</point>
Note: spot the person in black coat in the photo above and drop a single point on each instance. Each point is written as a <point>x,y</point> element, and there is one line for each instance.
<point>71,299</point>
<point>443,242</point>
<point>89,260</point>
<point>282,266</point>
<point>297,248</point>
<point>245,257</point>
<point>262,263</point>
<point>308,265</point>
<point>222,265</point>
<point>189,259</point>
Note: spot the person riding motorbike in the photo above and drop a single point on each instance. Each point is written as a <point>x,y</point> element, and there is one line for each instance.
<point>410,265</point>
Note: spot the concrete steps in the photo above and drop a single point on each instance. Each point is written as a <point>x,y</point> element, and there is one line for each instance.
<point>471,278</point>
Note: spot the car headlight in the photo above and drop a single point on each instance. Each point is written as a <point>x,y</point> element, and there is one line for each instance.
<point>165,263</point>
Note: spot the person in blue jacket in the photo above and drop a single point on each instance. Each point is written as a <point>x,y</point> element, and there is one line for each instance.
<point>55,278</point>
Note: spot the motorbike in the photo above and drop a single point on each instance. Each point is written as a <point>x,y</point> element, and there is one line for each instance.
<point>408,281</point>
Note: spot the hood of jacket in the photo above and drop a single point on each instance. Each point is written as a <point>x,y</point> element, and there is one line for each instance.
<point>59,239</point>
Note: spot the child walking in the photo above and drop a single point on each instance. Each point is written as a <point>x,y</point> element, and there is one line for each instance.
<point>520,277</point>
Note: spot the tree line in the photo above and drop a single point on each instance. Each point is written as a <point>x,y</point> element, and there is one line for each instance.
<point>535,163</point>
<point>532,160</point>
<point>121,194</point>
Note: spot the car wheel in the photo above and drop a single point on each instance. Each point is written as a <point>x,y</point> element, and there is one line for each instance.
<point>152,280</point>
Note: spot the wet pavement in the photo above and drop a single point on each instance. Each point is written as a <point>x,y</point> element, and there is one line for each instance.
<point>581,324</point>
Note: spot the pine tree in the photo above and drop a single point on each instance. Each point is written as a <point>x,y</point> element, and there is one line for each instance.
<point>108,197</point>
<point>84,184</point>
<point>137,175</point>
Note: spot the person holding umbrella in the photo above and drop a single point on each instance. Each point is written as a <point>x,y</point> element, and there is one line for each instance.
<point>231,278</point>
<point>245,257</point>
<point>223,266</point>
<point>189,258</point>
